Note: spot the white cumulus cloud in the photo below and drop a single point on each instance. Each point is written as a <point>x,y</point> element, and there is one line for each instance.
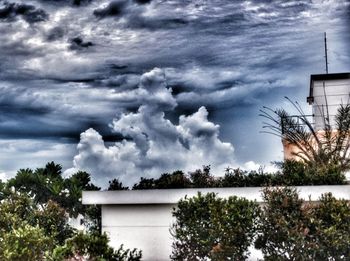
<point>153,144</point>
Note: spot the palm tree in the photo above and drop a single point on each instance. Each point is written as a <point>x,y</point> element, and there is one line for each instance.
<point>320,149</point>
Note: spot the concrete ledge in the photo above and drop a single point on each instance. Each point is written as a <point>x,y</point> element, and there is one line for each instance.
<point>172,196</point>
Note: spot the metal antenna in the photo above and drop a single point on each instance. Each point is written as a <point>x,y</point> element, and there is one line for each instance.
<point>325,50</point>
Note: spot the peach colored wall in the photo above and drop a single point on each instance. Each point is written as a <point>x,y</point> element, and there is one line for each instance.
<point>290,150</point>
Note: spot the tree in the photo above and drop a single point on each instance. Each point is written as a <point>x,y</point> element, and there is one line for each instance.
<point>145,183</point>
<point>208,227</point>
<point>327,151</point>
<point>283,226</point>
<point>202,178</point>
<point>21,238</point>
<point>292,229</point>
<point>54,222</point>
<point>31,229</point>
<point>115,184</point>
<point>43,183</point>
<point>177,179</point>
<point>24,242</point>
<point>332,220</point>
<point>93,246</point>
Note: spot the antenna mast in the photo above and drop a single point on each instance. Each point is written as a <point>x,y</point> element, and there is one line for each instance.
<point>325,50</point>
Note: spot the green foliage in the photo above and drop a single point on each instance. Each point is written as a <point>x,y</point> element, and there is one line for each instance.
<point>323,151</point>
<point>177,179</point>
<point>24,242</point>
<point>214,228</point>
<point>45,184</point>
<point>296,173</point>
<point>115,184</point>
<point>20,236</point>
<point>292,173</point>
<point>202,178</point>
<point>291,229</point>
<point>332,220</point>
<point>283,226</point>
<point>145,183</point>
<point>93,246</point>
<point>197,179</point>
<point>34,218</point>
<point>53,220</point>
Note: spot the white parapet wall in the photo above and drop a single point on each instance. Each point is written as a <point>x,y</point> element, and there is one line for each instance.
<point>142,218</point>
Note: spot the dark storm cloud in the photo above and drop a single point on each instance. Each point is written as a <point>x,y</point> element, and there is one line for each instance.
<point>55,33</point>
<point>139,22</point>
<point>142,2</point>
<point>31,14</point>
<point>114,8</point>
<point>77,43</point>
<point>135,18</point>
<point>230,56</point>
<point>71,2</point>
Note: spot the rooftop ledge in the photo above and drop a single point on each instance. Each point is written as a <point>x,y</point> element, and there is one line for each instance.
<point>172,196</point>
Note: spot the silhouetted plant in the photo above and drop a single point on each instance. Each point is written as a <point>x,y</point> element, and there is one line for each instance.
<point>115,184</point>
<point>326,150</point>
<point>202,178</point>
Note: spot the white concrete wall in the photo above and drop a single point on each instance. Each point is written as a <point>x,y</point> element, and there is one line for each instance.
<point>337,92</point>
<point>145,227</point>
<point>142,219</point>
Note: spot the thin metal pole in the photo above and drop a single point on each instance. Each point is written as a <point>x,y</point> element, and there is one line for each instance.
<point>325,50</point>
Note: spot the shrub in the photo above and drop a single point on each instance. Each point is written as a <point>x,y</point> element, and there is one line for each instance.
<point>24,242</point>
<point>93,246</point>
<point>53,219</point>
<point>332,220</point>
<point>20,237</point>
<point>210,227</point>
<point>282,226</point>
<point>291,229</point>
<point>297,173</point>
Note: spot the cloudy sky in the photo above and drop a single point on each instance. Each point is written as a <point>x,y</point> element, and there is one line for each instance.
<point>132,88</point>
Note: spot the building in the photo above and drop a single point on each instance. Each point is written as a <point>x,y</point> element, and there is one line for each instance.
<point>142,218</point>
<point>327,92</point>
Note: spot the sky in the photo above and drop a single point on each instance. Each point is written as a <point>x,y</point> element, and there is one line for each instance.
<point>135,88</point>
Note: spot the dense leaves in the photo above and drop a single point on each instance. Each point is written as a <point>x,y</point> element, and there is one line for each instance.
<point>20,234</point>
<point>177,179</point>
<point>34,211</point>
<point>292,173</point>
<point>115,184</point>
<point>210,227</point>
<point>291,229</point>
<point>93,246</point>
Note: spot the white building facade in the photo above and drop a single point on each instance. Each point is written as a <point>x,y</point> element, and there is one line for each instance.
<point>142,218</point>
<point>327,93</point>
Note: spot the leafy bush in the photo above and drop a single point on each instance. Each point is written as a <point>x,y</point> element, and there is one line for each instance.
<point>297,173</point>
<point>214,228</point>
<point>292,173</point>
<point>177,179</point>
<point>332,222</point>
<point>20,237</point>
<point>24,242</point>
<point>291,229</point>
<point>93,246</point>
<point>34,213</point>
<point>283,225</point>
<point>53,219</point>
